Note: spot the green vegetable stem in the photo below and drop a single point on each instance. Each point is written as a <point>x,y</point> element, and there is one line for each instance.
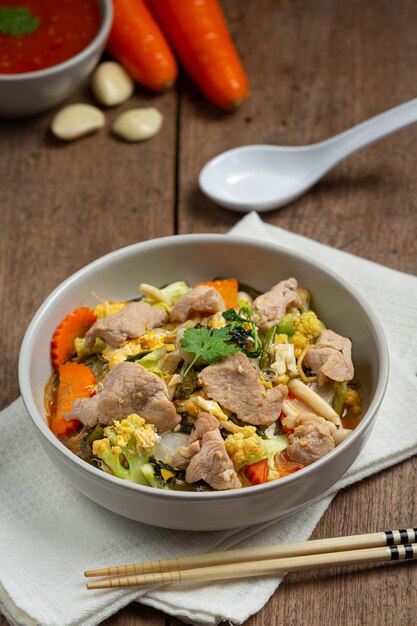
<point>340,397</point>
<point>286,325</point>
<point>268,341</point>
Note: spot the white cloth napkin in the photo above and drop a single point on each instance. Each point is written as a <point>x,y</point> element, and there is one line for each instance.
<point>50,533</point>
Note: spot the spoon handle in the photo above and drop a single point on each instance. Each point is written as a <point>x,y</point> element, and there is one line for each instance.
<point>340,146</point>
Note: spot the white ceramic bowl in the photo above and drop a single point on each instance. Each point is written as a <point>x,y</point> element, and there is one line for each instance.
<point>33,92</point>
<point>194,258</point>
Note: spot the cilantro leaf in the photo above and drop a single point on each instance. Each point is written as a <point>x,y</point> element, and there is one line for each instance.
<point>17,21</point>
<point>206,344</point>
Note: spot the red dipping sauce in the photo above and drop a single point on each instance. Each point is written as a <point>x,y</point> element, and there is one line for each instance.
<point>66,27</point>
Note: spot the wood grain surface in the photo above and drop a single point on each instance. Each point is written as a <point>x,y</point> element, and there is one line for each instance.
<point>316,67</point>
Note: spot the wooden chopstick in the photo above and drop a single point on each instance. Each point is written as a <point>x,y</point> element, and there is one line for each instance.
<point>266,567</point>
<point>228,557</point>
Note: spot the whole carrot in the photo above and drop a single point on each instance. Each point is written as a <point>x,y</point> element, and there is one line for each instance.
<point>198,33</point>
<point>137,42</point>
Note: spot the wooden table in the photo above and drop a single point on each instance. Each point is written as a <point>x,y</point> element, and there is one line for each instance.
<point>316,67</point>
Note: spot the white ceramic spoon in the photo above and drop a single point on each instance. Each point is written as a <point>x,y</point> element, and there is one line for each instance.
<point>262,177</point>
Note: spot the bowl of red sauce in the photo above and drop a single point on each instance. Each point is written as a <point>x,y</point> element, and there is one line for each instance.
<point>47,49</point>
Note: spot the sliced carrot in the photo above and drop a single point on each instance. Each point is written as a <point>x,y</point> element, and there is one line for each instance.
<point>285,466</point>
<point>227,288</point>
<point>199,35</point>
<point>257,473</point>
<point>75,381</point>
<point>74,325</point>
<point>138,43</point>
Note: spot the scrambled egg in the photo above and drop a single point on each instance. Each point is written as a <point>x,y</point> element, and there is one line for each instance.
<point>107,308</point>
<point>216,321</point>
<point>197,402</point>
<point>266,383</point>
<point>150,341</point>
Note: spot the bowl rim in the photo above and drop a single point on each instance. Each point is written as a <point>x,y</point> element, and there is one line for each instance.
<point>99,38</point>
<point>178,240</point>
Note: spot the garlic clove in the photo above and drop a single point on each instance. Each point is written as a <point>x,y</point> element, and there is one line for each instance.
<point>138,124</point>
<point>111,84</point>
<point>77,120</point>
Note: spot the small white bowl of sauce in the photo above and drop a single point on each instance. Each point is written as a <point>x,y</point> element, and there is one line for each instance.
<point>47,50</point>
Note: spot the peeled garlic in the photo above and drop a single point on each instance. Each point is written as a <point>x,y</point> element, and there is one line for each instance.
<point>77,120</point>
<point>111,84</point>
<point>138,124</point>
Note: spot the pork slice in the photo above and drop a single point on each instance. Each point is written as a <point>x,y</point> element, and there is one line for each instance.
<point>235,385</point>
<point>331,357</point>
<point>183,454</point>
<point>213,464</point>
<point>200,300</point>
<point>128,388</point>
<point>204,423</point>
<point>134,320</point>
<point>312,439</point>
<point>270,307</point>
<point>316,357</point>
